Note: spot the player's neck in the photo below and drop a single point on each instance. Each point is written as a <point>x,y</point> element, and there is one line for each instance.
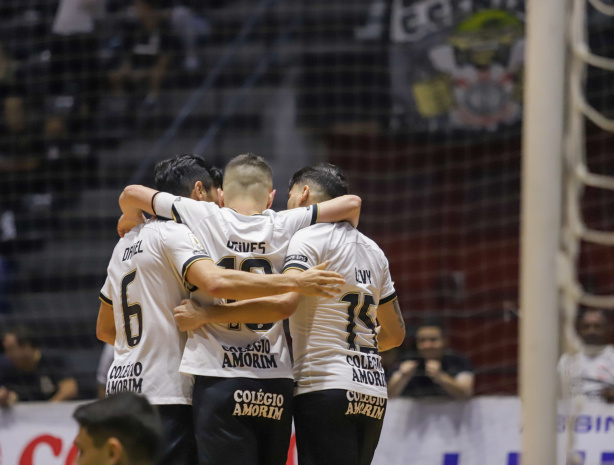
<point>246,206</point>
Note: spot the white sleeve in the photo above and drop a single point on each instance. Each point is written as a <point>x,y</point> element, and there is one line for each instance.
<point>106,293</point>
<point>182,249</point>
<point>387,291</point>
<point>301,254</point>
<point>182,209</point>
<point>299,218</point>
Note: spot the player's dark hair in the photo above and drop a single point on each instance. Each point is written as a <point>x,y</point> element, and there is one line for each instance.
<point>129,418</point>
<point>330,178</point>
<point>24,335</point>
<point>178,174</point>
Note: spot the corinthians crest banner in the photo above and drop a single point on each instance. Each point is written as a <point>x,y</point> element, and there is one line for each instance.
<point>457,64</point>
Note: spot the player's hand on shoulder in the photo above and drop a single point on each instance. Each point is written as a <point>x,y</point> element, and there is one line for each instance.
<point>126,223</point>
<point>189,315</point>
<point>318,282</point>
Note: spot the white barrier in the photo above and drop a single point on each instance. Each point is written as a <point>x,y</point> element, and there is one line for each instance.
<point>36,433</point>
<point>483,431</point>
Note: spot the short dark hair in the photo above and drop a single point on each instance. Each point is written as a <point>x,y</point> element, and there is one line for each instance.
<point>126,416</point>
<point>178,174</point>
<point>24,335</point>
<point>330,178</point>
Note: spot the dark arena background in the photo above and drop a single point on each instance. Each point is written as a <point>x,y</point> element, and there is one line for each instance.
<point>419,101</point>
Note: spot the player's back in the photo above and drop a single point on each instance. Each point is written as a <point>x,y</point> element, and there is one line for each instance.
<point>144,286</point>
<point>256,243</point>
<point>334,340</point>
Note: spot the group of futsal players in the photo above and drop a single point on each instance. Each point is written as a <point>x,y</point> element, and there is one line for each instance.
<point>195,299</point>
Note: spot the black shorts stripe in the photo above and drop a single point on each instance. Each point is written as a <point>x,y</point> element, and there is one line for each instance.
<point>314,213</point>
<point>184,270</point>
<point>295,266</point>
<point>105,299</point>
<point>390,298</point>
<point>176,215</point>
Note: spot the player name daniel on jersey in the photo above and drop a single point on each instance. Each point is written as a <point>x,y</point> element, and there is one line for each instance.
<point>255,244</point>
<point>145,281</point>
<point>334,340</point>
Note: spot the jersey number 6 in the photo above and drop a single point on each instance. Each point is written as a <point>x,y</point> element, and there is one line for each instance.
<point>133,315</point>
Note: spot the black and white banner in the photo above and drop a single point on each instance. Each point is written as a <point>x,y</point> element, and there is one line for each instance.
<point>457,64</point>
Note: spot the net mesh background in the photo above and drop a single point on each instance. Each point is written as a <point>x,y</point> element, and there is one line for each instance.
<point>401,95</point>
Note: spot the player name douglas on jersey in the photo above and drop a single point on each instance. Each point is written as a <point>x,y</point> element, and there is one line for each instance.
<point>132,250</point>
<point>247,247</point>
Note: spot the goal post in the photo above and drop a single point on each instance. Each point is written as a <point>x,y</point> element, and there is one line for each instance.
<point>542,161</point>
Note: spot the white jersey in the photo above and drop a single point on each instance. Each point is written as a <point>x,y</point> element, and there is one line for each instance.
<point>333,340</point>
<point>254,243</point>
<point>588,373</point>
<point>145,282</point>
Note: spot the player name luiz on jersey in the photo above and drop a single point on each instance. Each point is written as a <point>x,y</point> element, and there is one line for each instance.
<point>255,243</point>
<point>145,281</point>
<point>334,340</point>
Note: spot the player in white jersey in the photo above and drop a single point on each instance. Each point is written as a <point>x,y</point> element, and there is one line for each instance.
<point>153,267</point>
<point>340,393</point>
<point>243,387</point>
<point>340,387</point>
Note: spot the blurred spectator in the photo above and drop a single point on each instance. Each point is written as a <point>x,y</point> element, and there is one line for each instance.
<point>74,52</point>
<point>148,47</point>
<point>26,374</point>
<point>21,151</point>
<point>26,25</point>
<point>104,364</point>
<point>590,372</point>
<point>8,235</point>
<point>122,429</point>
<point>191,28</point>
<point>434,372</point>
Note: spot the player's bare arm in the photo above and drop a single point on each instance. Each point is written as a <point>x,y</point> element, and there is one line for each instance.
<point>133,201</point>
<point>231,284</point>
<point>105,325</point>
<point>190,315</point>
<point>344,208</point>
<point>392,326</point>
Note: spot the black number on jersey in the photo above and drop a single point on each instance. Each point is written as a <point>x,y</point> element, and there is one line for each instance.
<point>364,301</point>
<point>247,265</point>
<point>133,314</point>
